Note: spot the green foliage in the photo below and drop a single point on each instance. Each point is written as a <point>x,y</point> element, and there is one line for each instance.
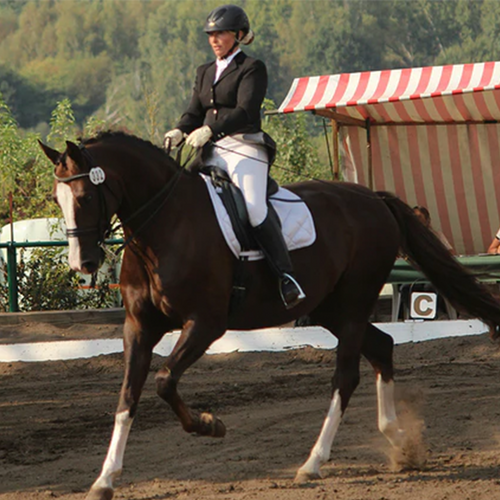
<point>62,125</point>
<point>296,159</point>
<point>24,170</point>
<point>93,126</point>
<point>132,64</point>
<point>45,282</point>
<point>21,171</point>
<point>28,101</point>
<point>73,65</point>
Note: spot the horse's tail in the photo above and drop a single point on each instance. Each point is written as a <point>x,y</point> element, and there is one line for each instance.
<point>449,277</point>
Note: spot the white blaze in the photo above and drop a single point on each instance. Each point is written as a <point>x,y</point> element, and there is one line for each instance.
<point>67,204</point>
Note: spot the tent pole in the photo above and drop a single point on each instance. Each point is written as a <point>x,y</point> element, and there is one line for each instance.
<point>369,152</point>
<point>335,132</point>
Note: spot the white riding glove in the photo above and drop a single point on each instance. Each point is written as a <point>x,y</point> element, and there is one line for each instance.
<point>199,137</point>
<point>173,136</point>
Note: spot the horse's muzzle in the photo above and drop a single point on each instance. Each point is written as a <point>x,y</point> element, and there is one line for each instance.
<point>92,261</point>
<point>89,267</point>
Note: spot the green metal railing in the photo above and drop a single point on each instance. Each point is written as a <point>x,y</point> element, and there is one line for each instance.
<point>12,246</point>
<point>485,268</point>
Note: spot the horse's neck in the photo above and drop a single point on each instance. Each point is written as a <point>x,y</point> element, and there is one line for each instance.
<point>135,174</point>
<point>147,187</point>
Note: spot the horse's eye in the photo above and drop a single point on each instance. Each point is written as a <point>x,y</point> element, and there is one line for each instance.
<point>87,198</point>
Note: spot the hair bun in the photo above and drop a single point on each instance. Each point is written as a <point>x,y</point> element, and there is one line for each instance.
<point>248,38</point>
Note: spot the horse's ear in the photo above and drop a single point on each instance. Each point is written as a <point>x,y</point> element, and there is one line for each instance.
<point>53,155</point>
<point>74,152</point>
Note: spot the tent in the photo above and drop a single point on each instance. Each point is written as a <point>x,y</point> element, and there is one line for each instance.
<point>431,135</point>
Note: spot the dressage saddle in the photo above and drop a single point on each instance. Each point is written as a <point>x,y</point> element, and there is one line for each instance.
<point>234,202</point>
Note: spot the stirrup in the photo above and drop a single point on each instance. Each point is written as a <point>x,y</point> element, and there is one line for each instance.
<point>294,300</point>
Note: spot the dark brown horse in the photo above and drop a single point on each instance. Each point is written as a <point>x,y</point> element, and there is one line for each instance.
<point>177,272</point>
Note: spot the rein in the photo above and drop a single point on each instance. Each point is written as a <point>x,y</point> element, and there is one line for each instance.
<point>168,189</point>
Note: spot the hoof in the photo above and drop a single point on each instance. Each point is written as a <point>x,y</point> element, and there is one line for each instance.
<point>305,477</point>
<point>211,426</point>
<point>100,494</point>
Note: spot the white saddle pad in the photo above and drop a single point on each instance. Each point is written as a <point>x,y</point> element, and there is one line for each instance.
<point>296,221</point>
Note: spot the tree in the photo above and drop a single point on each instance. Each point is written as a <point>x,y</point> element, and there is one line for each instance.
<point>296,158</point>
<point>24,170</point>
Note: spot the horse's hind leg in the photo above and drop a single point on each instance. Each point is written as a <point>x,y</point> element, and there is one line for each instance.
<point>377,349</point>
<point>407,443</point>
<point>345,380</point>
<point>137,354</point>
<point>345,313</point>
<point>195,339</point>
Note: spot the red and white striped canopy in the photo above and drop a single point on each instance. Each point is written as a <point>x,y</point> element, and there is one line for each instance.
<point>434,137</point>
<point>436,94</point>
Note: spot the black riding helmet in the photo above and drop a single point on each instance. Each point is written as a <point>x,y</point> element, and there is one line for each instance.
<point>229,18</point>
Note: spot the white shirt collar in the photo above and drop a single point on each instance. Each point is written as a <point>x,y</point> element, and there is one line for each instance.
<point>222,64</point>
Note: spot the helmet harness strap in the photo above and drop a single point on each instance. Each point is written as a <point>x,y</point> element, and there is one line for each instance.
<point>233,48</point>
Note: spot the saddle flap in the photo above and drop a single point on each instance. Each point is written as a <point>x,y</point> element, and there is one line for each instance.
<point>234,202</point>
<point>297,221</point>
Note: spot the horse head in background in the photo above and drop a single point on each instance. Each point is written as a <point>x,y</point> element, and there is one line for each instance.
<point>177,272</point>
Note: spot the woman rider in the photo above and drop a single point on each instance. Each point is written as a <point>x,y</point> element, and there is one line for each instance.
<point>224,118</point>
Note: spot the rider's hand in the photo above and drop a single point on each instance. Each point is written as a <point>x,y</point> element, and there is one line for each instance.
<point>199,137</point>
<point>173,138</point>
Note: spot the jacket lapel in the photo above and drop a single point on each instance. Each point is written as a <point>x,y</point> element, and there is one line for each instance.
<point>210,73</point>
<point>233,66</point>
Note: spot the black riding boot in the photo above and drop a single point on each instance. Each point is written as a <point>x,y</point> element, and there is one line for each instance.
<point>270,239</point>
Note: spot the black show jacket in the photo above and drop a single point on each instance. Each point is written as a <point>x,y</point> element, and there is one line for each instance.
<point>232,105</point>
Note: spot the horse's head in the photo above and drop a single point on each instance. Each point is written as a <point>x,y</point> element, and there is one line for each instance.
<point>79,192</point>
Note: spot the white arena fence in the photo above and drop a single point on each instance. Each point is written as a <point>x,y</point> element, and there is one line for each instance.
<point>270,339</point>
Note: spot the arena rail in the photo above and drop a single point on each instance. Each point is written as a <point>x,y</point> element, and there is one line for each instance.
<point>486,267</point>
<point>12,246</point>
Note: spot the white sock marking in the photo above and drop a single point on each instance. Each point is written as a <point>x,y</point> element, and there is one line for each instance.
<point>320,452</point>
<point>114,459</point>
<point>67,204</point>
<point>387,419</point>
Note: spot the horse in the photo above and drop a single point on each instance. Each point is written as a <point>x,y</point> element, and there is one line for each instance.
<point>177,273</point>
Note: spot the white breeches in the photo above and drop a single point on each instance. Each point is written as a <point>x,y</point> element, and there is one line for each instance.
<point>247,166</point>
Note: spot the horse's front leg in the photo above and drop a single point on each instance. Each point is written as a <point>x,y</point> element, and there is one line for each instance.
<point>195,339</point>
<point>138,349</point>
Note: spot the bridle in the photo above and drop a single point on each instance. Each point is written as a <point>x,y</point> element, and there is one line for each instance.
<point>97,176</point>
